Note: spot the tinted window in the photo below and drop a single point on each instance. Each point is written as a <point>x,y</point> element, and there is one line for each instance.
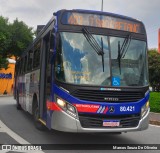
<point>36,60</point>
<point>30,58</point>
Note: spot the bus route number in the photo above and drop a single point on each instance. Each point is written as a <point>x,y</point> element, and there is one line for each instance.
<point>127,109</point>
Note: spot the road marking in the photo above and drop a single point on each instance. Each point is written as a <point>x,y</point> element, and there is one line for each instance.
<point>19,139</point>
<point>154,125</point>
<point>13,134</point>
<point>1,130</point>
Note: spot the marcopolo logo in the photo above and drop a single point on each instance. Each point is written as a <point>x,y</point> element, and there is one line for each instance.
<point>5,76</point>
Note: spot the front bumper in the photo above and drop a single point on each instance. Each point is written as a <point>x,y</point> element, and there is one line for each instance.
<point>61,121</point>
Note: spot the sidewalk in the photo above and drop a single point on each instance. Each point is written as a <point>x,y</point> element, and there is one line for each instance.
<point>7,95</point>
<point>154,118</point>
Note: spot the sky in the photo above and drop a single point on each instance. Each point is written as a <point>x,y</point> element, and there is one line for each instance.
<point>38,12</point>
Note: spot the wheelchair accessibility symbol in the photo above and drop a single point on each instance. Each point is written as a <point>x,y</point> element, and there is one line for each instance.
<point>115,81</point>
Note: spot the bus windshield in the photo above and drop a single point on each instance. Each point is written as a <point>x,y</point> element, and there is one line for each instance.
<point>77,62</point>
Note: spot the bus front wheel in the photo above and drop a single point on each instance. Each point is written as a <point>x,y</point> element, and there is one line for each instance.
<point>37,123</point>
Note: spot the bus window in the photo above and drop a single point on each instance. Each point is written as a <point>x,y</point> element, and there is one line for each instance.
<point>30,58</point>
<point>20,67</point>
<point>36,59</point>
<point>25,64</point>
<point>17,69</point>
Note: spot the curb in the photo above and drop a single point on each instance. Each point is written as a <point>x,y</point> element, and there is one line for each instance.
<point>154,118</point>
<point>6,95</point>
<point>153,122</point>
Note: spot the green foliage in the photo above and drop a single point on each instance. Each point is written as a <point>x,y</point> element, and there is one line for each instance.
<point>21,37</point>
<point>3,63</point>
<point>4,41</point>
<point>154,69</point>
<point>4,34</point>
<point>14,39</point>
<point>155,102</point>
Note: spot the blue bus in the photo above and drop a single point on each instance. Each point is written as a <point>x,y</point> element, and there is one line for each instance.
<point>86,71</point>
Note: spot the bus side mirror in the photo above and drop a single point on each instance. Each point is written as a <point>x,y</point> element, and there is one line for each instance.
<point>52,40</point>
<point>31,55</point>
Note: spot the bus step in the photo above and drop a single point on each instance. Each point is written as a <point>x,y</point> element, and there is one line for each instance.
<point>42,121</point>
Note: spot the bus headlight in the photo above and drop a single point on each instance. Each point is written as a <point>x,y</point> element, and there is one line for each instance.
<point>144,109</point>
<point>68,108</point>
<point>61,103</point>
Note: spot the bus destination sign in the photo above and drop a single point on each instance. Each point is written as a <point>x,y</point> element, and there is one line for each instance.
<point>101,21</point>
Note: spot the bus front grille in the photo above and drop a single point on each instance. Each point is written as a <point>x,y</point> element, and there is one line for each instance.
<point>126,121</point>
<point>107,96</point>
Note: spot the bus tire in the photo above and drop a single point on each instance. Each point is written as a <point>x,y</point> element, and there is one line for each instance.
<point>18,105</point>
<point>37,123</point>
<point>117,133</point>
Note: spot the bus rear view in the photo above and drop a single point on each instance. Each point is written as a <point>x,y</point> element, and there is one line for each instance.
<point>98,74</point>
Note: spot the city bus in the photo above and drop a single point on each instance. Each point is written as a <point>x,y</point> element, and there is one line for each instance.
<point>86,71</point>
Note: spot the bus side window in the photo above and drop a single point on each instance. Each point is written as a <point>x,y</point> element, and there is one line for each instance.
<point>17,69</point>
<point>36,59</point>
<point>25,64</point>
<point>20,67</point>
<point>30,58</point>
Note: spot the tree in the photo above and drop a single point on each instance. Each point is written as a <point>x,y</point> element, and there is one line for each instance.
<point>3,62</point>
<point>4,41</point>
<point>21,37</point>
<point>154,69</point>
<point>14,39</point>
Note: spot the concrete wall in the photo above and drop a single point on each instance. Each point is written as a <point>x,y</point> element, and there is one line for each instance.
<point>7,78</point>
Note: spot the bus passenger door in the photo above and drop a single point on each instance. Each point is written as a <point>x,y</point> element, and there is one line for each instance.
<point>48,84</point>
<point>45,75</point>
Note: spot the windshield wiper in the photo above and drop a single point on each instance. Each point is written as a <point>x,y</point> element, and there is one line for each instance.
<point>125,46</point>
<point>119,56</point>
<point>94,44</point>
<point>122,50</point>
<point>102,54</point>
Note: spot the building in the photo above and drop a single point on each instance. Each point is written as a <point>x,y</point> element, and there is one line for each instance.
<point>7,77</point>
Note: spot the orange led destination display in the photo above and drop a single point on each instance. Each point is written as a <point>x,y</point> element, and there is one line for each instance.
<point>101,21</point>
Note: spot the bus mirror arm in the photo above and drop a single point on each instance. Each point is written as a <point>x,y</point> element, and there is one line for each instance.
<point>51,50</point>
<point>51,41</point>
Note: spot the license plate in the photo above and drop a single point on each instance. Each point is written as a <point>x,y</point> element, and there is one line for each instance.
<point>111,123</point>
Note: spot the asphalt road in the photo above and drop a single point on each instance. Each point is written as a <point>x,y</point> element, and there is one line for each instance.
<point>22,123</point>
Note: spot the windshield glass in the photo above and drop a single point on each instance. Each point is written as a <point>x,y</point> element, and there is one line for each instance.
<point>132,70</point>
<point>77,62</point>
